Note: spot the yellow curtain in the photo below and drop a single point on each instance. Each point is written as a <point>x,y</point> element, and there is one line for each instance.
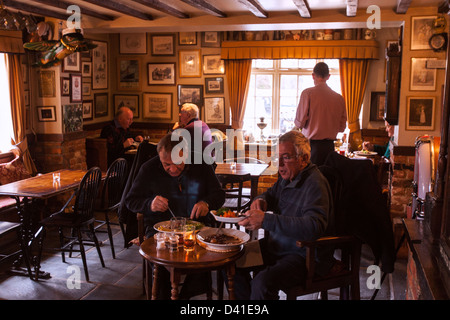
<point>354,74</point>
<point>238,75</point>
<point>17,110</point>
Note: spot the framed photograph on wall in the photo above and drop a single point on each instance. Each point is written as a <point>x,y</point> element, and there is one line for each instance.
<point>100,65</point>
<point>189,63</point>
<point>65,86</point>
<point>75,88</point>
<point>157,106</point>
<point>161,73</point>
<point>46,114</point>
<point>421,32</point>
<point>73,117</point>
<point>163,45</point>
<point>86,69</point>
<point>127,100</point>
<point>377,103</point>
<point>214,110</point>
<point>211,39</point>
<point>133,43</point>
<point>86,87</point>
<point>88,113</point>
<point>420,113</point>
<point>187,38</point>
<point>101,104</point>
<point>213,85</point>
<point>213,64</point>
<point>72,63</point>
<point>129,74</point>
<point>47,84</point>
<point>422,79</point>
<point>190,93</point>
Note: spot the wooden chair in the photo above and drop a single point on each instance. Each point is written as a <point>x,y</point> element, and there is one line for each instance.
<point>110,198</point>
<point>245,191</point>
<point>345,272</point>
<point>233,187</point>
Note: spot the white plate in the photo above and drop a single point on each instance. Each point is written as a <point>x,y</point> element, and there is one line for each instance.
<point>205,232</point>
<point>164,226</point>
<point>226,219</point>
<point>365,153</point>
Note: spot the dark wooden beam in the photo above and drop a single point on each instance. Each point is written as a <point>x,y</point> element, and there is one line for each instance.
<point>158,5</point>
<point>64,5</point>
<point>206,6</point>
<point>33,9</point>
<point>254,7</point>
<point>119,7</point>
<point>303,8</point>
<point>352,7</point>
<point>444,7</point>
<point>402,6</point>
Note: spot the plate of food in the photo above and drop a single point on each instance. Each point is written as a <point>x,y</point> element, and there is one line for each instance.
<point>227,215</point>
<point>365,153</point>
<point>164,226</point>
<point>223,241</point>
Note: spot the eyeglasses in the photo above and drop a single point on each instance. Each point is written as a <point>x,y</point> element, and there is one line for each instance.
<point>285,158</point>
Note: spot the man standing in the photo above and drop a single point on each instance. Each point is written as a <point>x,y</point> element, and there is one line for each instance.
<point>321,114</point>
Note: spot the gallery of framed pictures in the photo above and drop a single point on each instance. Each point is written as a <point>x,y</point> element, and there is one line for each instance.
<point>215,110</point>
<point>421,32</point>
<point>190,93</point>
<point>157,106</point>
<point>133,43</point>
<point>189,63</point>
<point>101,104</point>
<point>163,45</point>
<point>129,73</point>
<point>88,110</point>
<point>420,113</point>
<point>127,100</point>
<point>422,78</point>
<point>161,73</point>
<point>100,65</point>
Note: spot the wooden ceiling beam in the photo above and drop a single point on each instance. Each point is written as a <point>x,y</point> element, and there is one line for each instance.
<point>33,9</point>
<point>352,7</point>
<point>119,7</point>
<point>206,6</point>
<point>402,6</point>
<point>254,7</point>
<point>303,8</point>
<point>158,5</point>
<point>64,5</point>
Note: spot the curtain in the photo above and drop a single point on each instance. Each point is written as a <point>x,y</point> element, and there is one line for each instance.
<point>17,110</point>
<point>353,75</point>
<point>238,75</point>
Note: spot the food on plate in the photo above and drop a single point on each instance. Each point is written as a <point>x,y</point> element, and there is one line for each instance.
<point>222,239</point>
<point>166,226</point>
<point>226,213</point>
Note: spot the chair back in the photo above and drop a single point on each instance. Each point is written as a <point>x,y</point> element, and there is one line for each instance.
<point>334,179</point>
<point>233,185</point>
<point>87,193</point>
<point>114,184</point>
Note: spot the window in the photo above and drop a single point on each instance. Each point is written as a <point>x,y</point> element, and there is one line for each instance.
<point>274,91</point>
<point>6,128</point>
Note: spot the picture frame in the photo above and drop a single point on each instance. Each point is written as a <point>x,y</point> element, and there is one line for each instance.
<point>189,63</point>
<point>133,43</point>
<point>211,39</point>
<point>420,113</point>
<point>101,104</point>
<point>163,45</point>
<point>73,117</point>
<point>72,63</point>
<point>86,87</point>
<point>213,64</point>
<point>127,100</point>
<point>129,70</point>
<point>161,73</point>
<point>187,38</point>
<point>100,65</point>
<point>75,88</point>
<point>47,84</point>
<point>88,107</point>
<point>86,69</point>
<point>421,32</point>
<point>46,113</point>
<point>377,105</point>
<point>191,94</point>
<point>422,78</point>
<point>157,105</point>
<point>214,85</point>
<point>215,110</point>
<point>65,86</point>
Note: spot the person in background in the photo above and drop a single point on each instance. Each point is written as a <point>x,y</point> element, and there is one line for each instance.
<point>385,150</point>
<point>118,135</point>
<point>321,114</point>
<point>302,207</point>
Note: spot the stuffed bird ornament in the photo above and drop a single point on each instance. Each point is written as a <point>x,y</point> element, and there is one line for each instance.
<point>72,40</point>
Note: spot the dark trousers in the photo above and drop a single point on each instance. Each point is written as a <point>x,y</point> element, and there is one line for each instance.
<point>320,149</point>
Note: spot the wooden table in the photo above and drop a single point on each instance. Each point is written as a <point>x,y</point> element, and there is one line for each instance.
<point>27,192</point>
<point>255,170</point>
<point>184,262</point>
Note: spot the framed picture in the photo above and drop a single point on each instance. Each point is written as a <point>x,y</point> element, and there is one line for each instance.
<point>420,113</point>
<point>73,117</point>
<point>133,43</point>
<point>377,103</point>
<point>213,64</point>
<point>421,32</point>
<point>129,73</point>
<point>65,86</point>
<point>214,110</point>
<point>190,93</point>
<point>101,104</point>
<point>422,79</point>
<point>86,87</point>
<point>72,63</point>
<point>127,100</point>
<point>163,45</point>
<point>46,114</point>
<point>75,88</point>
<point>161,73</point>
<point>213,85</point>
<point>100,65</point>
<point>88,113</point>
<point>157,106</point>
<point>187,38</point>
<point>211,39</point>
<point>47,84</point>
<point>86,69</point>
<point>189,62</point>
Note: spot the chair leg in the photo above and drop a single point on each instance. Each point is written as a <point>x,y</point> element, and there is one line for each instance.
<point>324,295</point>
<point>83,254</point>
<point>97,244</point>
<point>108,228</point>
<point>220,282</point>
<point>61,242</point>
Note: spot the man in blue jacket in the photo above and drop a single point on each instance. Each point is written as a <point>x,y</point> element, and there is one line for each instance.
<point>301,202</point>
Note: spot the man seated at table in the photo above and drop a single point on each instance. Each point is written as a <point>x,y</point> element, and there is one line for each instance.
<point>166,183</point>
<point>301,203</point>
<point>385,150</point>
<point>118,135</point>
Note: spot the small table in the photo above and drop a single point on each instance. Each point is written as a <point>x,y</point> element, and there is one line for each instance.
<point>185,262</point>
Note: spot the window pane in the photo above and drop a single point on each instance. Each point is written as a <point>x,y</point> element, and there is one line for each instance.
<point>307,63</point>
<point>288,85</point>
<point>263,64</point>
<point>335,83</point>
<point>288,109</point>
<point>263,85</point>
<point>289,63</point>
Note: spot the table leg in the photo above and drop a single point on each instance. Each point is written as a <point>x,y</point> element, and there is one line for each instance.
<point>231,269</point>
<point>155,282</point>
<point>254,186</point>
<point>175,281</point>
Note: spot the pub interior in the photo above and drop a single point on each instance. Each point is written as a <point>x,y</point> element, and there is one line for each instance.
<point>245,64</point>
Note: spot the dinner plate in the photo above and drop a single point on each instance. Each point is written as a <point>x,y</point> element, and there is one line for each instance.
<point>205,232</point>
<point>226,219</point>
<point>365,153</point>
<point>164,226</point>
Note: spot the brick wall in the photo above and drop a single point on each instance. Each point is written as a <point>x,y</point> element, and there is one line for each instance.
<point>402,179</point>
<point>412,281</point>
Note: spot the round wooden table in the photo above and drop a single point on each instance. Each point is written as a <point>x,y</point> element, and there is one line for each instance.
<point>185,262</point>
